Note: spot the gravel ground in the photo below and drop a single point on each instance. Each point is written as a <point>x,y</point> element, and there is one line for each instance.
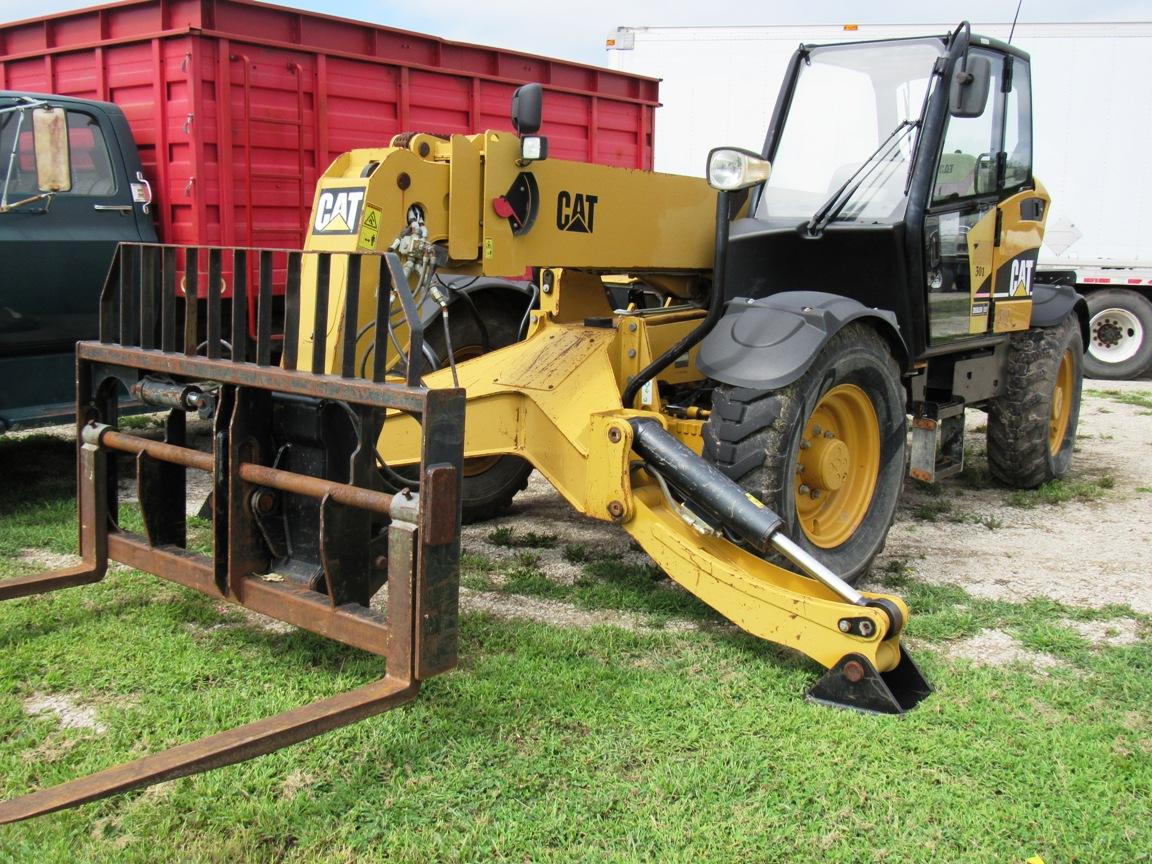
<point>1085,553</point>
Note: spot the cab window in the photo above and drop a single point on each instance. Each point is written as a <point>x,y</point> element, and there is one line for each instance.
<point>91,165</point>
<point>92,173</point>
<point>1018,128</point>
<point>967,164</point>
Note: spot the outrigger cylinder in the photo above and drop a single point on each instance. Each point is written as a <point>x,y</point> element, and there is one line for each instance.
<point>706,486</point>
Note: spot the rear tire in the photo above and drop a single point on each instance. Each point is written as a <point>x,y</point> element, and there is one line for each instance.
<point>766,440</point>
<point>1032,425</point>
<point>490,482</point>
<point>1120,335</point>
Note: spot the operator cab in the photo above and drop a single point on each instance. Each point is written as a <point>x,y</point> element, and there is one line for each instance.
<point>889,160</point>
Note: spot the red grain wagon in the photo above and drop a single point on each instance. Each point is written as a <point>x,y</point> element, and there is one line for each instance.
<point>237,106</point>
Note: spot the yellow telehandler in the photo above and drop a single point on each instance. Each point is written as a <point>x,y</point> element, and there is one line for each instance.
<point>725,368</point>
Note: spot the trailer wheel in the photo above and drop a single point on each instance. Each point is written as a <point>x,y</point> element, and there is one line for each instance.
<point>490,482</point>
<point>1120,334</point>
<point>826,453</point>
<point>1032,425</point>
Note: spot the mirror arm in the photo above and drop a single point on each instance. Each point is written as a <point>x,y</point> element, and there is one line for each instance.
<point>5,207</point>
<point>12,160</point>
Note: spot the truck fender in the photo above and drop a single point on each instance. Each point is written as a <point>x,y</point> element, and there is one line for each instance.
<point>1051,304</point>
<point>769,343</point>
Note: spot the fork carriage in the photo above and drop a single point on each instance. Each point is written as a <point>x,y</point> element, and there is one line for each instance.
<point>302,529</point>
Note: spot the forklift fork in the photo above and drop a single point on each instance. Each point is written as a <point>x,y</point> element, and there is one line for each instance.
<point>301,529</point>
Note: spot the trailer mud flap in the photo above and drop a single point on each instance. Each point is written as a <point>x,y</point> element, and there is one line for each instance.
<point>349,540</point>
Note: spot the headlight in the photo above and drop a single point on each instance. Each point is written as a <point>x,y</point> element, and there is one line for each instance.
<point>730,168</point>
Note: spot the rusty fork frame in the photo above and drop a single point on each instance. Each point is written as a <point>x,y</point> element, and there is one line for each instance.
<point>290,449</point>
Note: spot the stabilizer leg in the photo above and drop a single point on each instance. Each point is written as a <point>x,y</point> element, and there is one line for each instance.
<point>856,635</point>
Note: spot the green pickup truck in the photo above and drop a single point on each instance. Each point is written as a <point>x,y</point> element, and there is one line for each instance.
<point>60,221</point>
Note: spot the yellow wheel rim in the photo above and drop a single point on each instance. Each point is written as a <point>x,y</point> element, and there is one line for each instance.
<point>1061,404</point>
<point>837,466</point>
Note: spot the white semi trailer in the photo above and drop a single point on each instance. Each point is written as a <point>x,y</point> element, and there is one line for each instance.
<point>1092,86</point>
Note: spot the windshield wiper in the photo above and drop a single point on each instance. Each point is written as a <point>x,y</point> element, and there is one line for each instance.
<point>832,207</point>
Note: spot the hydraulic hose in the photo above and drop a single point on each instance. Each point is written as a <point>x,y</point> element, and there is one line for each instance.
<point>715,309</point>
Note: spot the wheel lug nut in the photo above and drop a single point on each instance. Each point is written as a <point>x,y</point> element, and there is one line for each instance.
<point>829,435</point>
<point>804,490</point>
<point>816,430</point>
<point>815,494</point>
<point>804,445</point>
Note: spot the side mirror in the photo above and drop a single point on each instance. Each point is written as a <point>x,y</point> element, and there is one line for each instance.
<point>527,113</point>
<point>968,94</point>
<point>527,109</point>
<point>50,139</point>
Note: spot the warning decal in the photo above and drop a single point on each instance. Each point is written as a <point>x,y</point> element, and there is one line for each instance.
<point>338,211</point>
<point>369,228</point>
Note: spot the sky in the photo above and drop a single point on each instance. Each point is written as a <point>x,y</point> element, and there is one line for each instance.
<point>578,30</point>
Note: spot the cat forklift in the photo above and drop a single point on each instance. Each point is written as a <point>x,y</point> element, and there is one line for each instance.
<point>725,368</point>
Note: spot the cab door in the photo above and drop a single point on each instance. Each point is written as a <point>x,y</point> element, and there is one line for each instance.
<point>57,251</point>
<point>1023,208</point>
<point>960,225</point>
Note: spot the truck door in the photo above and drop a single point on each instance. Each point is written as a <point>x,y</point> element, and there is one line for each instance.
<point>960,226</point>
<point>57,251</point>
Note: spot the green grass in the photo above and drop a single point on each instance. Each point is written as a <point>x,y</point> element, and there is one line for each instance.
<point>932,510</point>
<point>506,536</point>
<point>581,553</point>
<point>1061,492</point>
<point>560,744</point>
<point>1140,400</point>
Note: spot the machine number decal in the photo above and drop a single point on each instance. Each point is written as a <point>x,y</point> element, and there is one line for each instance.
<point>576,212</point>
<point>338,211</point>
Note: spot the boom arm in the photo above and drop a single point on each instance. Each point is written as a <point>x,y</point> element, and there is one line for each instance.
<point>497,215</point>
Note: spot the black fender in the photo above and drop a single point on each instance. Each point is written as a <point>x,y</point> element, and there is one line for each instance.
<point>1052,303</point>
<point>769,343</point>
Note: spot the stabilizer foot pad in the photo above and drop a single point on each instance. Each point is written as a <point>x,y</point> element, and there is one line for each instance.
<point>855,683</point>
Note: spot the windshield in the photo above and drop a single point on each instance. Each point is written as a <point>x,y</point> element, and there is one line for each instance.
<point>849,99</point>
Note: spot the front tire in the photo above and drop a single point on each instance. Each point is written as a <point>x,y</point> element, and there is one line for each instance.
<point>1032,425</point>
<point>1120,335</point>
<point>826,453</point>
